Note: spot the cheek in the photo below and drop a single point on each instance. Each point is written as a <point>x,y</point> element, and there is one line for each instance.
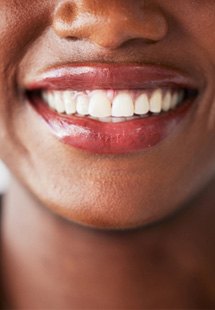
<point>197,22</point>
<point>20,23</point>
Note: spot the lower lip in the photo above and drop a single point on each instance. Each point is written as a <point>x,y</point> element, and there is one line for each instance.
<point>112,138</point>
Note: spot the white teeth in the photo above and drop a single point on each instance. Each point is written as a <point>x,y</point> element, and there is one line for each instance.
<point>45,96</point>
<point>105,119</point>
<point>59,103</point>
<point>69,102</point>
<point>100,105</point>
<point>122,105</point>
<point>118,119</point>
<point>49,97</point>
<point>166,102</point>
<point>141,105</point>
<point>175,99</point>
<point>112,105</point>
<point>156,101</point>
<point>82,105</point>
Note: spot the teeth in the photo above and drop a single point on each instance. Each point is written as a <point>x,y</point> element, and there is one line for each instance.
<point>49,98</point>
<point>82,104</point>
<point>118,119</point>
<point>123,105</point>
<point>105,119</point>
<point>155,102</point>
<point>69,102</point>
<point>111,105</point>
<point>166,102</point>
<point>180,96</point>
<point>142,105</point>
<point>174,101</point>
<point>45,96</point>
<point>59,103</point>
<point>100,105</point>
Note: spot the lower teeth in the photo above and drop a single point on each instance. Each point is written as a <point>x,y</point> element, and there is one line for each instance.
<point>117,119</point>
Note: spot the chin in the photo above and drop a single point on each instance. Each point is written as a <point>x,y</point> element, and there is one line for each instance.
<point>105,212</point>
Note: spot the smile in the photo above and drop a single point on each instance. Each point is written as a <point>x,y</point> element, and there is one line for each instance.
<point>111,105</point>
<point>112,109</point>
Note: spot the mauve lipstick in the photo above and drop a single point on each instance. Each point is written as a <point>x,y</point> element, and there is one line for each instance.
<point>110,138</point>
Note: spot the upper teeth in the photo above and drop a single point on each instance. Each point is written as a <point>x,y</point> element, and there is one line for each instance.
<point>107,103</point>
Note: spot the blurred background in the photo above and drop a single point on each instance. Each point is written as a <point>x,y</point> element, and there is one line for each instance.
<point>4,178</point>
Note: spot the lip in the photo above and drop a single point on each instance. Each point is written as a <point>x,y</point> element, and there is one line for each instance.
<point>106,76</point>
<point>110,138</point>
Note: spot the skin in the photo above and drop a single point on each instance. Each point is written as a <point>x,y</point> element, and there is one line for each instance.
<point>166,265</point>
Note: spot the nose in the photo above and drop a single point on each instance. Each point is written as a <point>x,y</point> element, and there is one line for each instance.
<point>109,23</point>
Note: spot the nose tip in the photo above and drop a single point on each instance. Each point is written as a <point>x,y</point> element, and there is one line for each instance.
<point>109,27</point>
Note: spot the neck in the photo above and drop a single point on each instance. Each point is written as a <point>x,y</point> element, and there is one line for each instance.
<point>51,263</point>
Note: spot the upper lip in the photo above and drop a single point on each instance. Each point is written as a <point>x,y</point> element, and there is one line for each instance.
<point>109,76</point>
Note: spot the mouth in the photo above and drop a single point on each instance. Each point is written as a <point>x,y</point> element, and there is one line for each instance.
<point>111,109</point>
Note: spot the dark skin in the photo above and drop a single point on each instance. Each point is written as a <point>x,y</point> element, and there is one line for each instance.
<point>160,252</point>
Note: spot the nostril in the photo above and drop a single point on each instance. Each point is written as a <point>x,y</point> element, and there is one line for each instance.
<point>106,27</point>
<point>64,16</point>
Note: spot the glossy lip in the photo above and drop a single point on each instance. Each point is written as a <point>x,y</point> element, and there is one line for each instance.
<point>110,138</point>
<point>106,76</point>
